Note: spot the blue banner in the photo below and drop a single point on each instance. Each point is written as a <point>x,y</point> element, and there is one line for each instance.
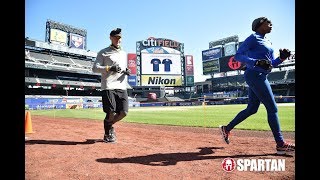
<point>210,54</point>
<point>132,80</point>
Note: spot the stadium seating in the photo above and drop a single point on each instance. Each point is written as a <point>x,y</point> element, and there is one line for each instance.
<point>47,67</point>
<point>276,76</point>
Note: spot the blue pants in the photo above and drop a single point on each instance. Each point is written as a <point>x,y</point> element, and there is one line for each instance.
<point>259,91</point>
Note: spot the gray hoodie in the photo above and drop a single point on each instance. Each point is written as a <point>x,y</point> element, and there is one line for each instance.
<point>107,57</point>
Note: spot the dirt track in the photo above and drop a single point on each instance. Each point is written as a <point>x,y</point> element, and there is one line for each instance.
<point>72,149</point>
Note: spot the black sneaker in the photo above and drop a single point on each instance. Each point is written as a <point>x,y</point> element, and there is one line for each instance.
<point>111,137</point>
<point>286,147</point>
<point>225,135</point>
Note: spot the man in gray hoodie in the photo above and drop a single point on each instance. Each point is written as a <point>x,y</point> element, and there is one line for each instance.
<point>111,62</point>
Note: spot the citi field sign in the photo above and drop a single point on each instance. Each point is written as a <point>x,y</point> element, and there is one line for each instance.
<point>151,42</point>
<point>160,62</point>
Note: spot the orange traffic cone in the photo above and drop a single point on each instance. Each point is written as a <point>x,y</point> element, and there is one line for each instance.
<point>28,123</point>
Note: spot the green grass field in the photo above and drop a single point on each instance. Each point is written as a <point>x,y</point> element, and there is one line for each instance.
<point>197,116</point>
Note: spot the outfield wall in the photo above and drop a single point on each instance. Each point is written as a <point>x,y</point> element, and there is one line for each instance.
<point>84,102</point>
<point>67,102</point>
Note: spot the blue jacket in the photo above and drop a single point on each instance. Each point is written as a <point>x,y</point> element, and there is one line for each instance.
<point>255,47</point>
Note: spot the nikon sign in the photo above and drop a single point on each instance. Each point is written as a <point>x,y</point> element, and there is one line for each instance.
<point>163,80</point>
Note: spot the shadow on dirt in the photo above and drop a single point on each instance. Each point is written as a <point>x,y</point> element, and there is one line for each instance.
<point>169,159</point>
<point>54,142</point>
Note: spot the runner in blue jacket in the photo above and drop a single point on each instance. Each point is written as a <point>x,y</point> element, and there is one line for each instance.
<point>257,54</point>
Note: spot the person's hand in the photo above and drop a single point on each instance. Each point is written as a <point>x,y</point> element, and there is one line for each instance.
<point>115,68</point>
<point>264,64</point>
<point>127,71</point>
<point>284,54</point>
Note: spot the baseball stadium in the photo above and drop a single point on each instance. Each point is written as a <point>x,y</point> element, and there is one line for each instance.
<point>172,128</point>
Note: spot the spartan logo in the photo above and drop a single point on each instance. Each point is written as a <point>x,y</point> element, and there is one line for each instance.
<point>159,80</point>
<point>228,164</point>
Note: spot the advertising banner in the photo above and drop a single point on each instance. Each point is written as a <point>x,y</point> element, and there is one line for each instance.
<point>228,63</point>
<point>157,58</point>
<point>210,67</point>
<point>161,80</point>
<point>76,41</point>
<point>132,80</point>
<point>229,49</point>
<point>132,64</point>
<point>160,64</point>
<point>190,81</point>
<point>189,65</point>
<point>58,36</point>
<point>210,54</point>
